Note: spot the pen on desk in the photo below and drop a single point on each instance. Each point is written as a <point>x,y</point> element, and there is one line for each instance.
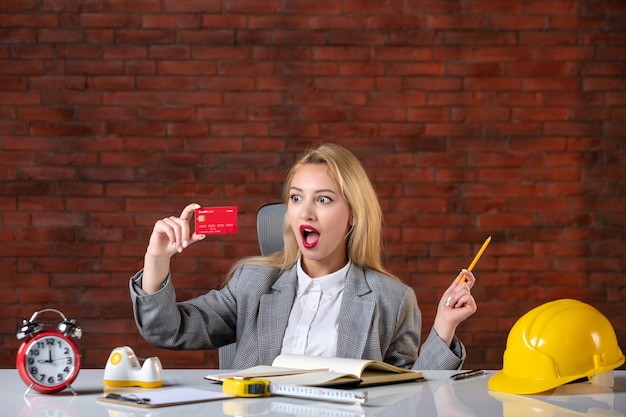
<point>468,374</point>
<point>131,398</point>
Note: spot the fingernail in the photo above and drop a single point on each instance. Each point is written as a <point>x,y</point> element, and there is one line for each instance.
<point>180,249</point>
<point>448,301</point>
<point>185,243</point>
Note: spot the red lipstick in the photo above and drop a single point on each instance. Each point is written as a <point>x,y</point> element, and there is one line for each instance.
<point>310,236</point>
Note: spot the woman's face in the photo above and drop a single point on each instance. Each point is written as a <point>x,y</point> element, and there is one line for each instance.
<point>320,219</point>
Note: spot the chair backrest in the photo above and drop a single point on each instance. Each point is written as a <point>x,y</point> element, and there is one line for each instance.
<point>269,228</point>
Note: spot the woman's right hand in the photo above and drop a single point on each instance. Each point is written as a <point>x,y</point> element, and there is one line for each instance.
<point>171,234</point>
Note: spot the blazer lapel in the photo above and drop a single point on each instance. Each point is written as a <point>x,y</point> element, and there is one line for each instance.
<point>274,312</point>
<point>356,316</point>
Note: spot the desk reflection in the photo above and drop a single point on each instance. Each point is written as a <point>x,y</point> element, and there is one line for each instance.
<point>579,399</point>
<point>47,406</point>
<point>446,402</point>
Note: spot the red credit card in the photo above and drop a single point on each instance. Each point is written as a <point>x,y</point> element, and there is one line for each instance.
<point>216,220</point>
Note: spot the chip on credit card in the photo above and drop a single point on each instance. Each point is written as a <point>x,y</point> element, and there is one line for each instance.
<point>216,220</point>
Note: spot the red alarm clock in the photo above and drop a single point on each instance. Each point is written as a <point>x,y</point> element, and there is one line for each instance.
<point>48,361</point>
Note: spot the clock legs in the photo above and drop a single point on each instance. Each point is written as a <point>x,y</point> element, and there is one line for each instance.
<point>69,386</point>
<point>72,389</point>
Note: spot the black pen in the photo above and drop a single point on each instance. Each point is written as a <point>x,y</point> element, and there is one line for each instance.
<point>128,398</point>
<point>468,374</point>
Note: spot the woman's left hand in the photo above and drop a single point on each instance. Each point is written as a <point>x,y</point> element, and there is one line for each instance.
<point>456,305</point>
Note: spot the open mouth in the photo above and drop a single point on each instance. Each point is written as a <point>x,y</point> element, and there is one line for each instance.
<point>310,236</point>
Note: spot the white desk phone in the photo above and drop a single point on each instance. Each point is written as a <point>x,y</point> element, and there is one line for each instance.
<point>124,370</point>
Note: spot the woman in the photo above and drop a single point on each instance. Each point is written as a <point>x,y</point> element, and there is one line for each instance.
<point>325,294</point>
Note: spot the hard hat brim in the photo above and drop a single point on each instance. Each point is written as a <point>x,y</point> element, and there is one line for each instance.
<point>516,385</point>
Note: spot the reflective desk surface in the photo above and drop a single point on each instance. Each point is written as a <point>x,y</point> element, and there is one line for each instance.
<point>437,396</point>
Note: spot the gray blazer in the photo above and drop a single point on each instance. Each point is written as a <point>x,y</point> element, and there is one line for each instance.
<point>379,319</point>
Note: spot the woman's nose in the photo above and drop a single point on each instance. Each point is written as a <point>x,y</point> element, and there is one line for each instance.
<point>307,212</point>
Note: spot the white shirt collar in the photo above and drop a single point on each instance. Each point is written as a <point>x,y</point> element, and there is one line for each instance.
<point>331,284</point>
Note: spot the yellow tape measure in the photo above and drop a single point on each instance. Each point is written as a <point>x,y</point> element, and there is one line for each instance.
<point>248,387</point>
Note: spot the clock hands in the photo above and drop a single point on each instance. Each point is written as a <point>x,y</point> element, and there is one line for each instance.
<point>50,359</point>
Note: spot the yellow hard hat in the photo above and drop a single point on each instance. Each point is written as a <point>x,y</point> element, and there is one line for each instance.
<point>556,343</point>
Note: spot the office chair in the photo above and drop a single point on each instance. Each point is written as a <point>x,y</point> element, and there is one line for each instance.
<point>269,227</point>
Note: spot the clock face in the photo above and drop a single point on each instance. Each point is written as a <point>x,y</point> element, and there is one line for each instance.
<point>49,361</point>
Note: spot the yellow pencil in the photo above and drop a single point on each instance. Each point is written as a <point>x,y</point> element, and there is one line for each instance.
<point>476,258</point>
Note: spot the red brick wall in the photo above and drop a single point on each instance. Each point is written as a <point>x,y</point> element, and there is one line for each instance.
<point>473,118</point>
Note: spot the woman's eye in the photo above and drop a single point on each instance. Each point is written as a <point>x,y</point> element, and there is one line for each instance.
<point>324,200</point>
<point>295,198</point>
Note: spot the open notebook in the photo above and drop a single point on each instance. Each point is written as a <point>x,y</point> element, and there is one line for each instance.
<point>324,371</point>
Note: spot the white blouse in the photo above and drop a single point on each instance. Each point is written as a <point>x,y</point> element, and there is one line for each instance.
<point>313,321</point>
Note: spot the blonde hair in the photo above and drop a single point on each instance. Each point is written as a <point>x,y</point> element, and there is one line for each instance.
<point>364,245</point>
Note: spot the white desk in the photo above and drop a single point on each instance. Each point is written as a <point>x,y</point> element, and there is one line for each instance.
<point>438,396</point>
